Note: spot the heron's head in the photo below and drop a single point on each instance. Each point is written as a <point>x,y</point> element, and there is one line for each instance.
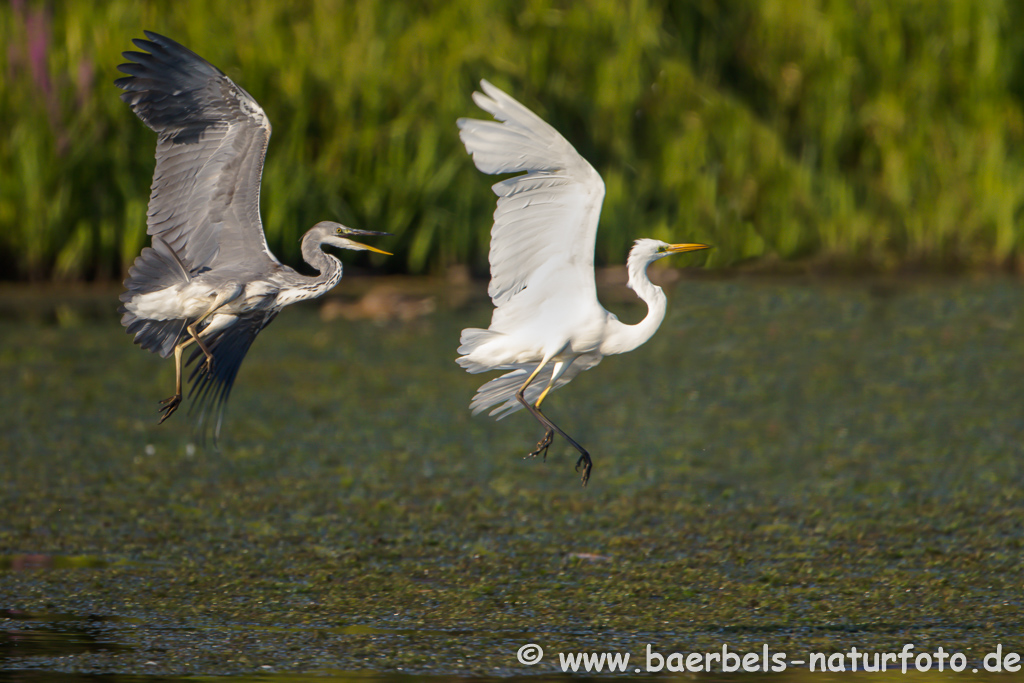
<point>336,235</point>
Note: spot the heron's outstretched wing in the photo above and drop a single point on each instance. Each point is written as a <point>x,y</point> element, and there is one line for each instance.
<point>209,157</point>
<point>550,212</point>
<point>210,390</point>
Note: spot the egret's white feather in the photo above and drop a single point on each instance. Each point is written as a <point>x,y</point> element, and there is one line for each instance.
<point>559,189</point>
<point>547,325</point>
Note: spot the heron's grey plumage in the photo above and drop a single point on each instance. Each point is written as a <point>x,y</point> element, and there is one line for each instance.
<point>209,159</point>
<point>156,268</point>
<point>209,276</point>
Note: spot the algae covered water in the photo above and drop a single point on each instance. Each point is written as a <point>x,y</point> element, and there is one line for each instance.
<point>799,465</point>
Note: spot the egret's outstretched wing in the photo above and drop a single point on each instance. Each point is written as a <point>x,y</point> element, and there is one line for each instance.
<point>210,390</point>
<point>209,156</point>
<point>550,212</point>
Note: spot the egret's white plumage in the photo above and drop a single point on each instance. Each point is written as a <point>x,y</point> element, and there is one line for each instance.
<point>547,325</point>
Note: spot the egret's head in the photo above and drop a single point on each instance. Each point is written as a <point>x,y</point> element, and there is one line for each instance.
<point>336,235</point>
<point>652,250</point>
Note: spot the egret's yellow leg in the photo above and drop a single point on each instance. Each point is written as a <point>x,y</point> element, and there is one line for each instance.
<point>544,393</point>
<point>549,434</point>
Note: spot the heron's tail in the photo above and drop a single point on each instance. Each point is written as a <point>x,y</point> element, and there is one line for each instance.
<point>156,268</point>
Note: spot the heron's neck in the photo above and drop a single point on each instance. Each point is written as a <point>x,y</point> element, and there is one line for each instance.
<point>623,338</point>
<point>328,266</point>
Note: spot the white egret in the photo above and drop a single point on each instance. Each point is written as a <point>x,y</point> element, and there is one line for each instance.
<point>209,279</point>
<point>547,326</point>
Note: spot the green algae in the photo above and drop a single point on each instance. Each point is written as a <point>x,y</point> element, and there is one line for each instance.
<point>809,465</point>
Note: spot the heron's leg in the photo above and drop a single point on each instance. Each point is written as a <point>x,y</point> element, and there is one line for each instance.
<point>195,337</point>
<point>220,301</point>
<point>584,458</point>
<point>169,405</point>
<point>222,298</point>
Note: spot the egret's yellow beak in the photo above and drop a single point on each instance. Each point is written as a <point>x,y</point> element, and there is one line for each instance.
<point>682,248</point>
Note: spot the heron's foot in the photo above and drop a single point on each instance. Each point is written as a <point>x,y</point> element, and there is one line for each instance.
<point>587,466</point>
<point>542,446</point>
<point>168,406</point>
<point>208,365</point>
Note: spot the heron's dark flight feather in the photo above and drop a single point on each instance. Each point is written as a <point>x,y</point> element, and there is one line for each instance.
<point>209,391</point>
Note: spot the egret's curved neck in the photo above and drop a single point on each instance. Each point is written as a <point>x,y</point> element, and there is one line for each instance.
<point>621,337</point>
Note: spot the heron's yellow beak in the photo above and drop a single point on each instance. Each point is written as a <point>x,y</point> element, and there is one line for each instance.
<point>683,248</point>
<point>374,249</point>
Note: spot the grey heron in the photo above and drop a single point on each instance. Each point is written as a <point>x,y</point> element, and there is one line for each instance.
<point>209,278</point>
<point>548,325</point>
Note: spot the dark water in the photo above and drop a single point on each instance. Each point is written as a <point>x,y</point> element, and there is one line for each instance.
<point>811,466</point>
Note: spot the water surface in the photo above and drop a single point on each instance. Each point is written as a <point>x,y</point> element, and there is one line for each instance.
<point>808,465</point>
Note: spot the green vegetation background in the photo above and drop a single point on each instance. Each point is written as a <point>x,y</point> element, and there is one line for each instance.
<point>841,131</point>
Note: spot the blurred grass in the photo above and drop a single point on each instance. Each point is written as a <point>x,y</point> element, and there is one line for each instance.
<point>868,134</point>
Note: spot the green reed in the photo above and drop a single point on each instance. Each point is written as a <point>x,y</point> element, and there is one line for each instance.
<point>873,134</point>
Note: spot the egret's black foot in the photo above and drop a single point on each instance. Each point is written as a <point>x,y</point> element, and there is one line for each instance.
<point>542,446</point>
<point>587,466</point>
<point>168,406</point>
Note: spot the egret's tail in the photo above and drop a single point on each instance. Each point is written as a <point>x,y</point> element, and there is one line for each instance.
<point>472,339</point>
<point>156,268</point>
<point>502,390</point>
